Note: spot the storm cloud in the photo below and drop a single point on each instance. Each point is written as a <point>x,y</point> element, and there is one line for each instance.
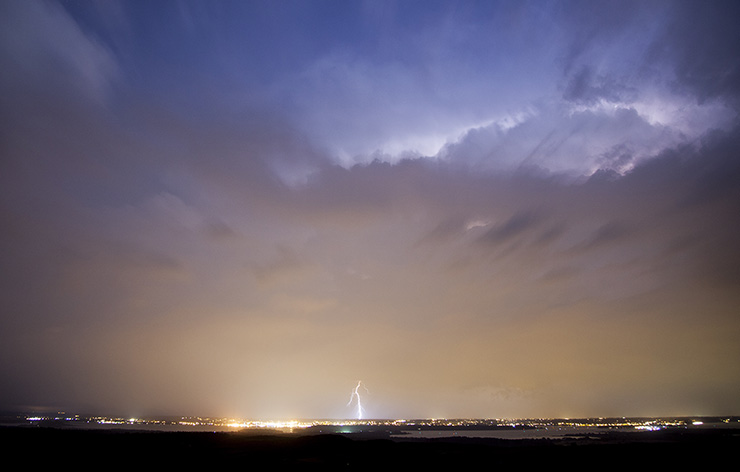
<point>479,209</point>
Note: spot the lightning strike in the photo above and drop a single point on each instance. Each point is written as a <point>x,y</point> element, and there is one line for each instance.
<point>356,394</point>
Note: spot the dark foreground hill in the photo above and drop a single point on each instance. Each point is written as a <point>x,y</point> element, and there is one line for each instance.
<point>88,449</point>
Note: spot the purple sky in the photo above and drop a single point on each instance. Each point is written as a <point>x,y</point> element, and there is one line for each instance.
<point>479,209</point>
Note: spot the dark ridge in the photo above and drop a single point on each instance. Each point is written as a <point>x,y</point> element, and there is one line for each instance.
<point>85,449</point>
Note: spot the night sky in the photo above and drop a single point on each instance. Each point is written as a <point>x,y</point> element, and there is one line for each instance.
<point>478,209</point>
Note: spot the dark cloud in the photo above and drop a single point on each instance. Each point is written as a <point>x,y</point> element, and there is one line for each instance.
<point>513,227</point>
<point>452,227</point>
<point>700,42</point>
<point>608,233</point>
<point>39,40</point>
<point>585,87</point>
<point>596,26</point>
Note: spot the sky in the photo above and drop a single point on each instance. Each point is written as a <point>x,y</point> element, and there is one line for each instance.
<point>494,209</point>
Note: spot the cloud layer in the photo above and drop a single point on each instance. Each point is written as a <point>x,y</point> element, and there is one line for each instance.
<point>480,210</point>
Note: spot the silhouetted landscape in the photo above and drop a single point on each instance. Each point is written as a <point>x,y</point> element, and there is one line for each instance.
<point>374,448</point>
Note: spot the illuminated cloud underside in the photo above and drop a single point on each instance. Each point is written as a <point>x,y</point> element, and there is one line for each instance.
<point>481,209</point>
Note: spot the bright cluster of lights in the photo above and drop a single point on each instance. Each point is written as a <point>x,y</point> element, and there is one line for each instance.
<point>282,425</point>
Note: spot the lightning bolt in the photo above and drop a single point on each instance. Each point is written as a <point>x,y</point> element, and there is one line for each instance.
<point>356,394</point>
